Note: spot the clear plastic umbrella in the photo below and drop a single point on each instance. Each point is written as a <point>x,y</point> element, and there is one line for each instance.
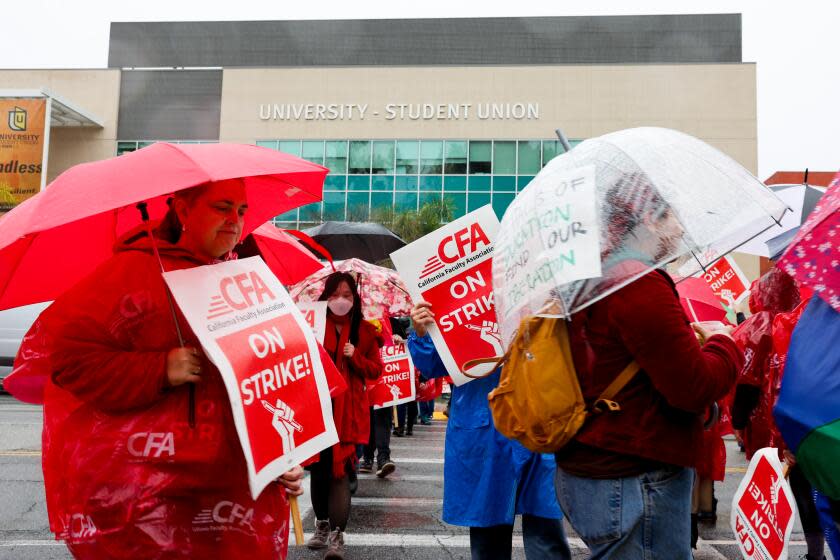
<point>615,207</point>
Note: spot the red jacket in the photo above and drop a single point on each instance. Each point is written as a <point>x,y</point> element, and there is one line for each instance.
<point>660,417</point>
<point>125,475</point>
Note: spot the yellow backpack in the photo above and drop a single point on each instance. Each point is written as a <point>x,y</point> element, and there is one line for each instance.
<point>538,401</point>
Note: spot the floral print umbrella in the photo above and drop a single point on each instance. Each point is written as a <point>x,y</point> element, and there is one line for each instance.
<point>813,257</point>
<point>382,290</point>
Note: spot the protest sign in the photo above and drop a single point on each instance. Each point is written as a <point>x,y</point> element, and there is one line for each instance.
<point>549,237</point>
<point>315,315</point>
<point>396,384</point>
<point>451,269</point>
<point>727,281</point>
<point>763,509</point>
<point>253,332</point>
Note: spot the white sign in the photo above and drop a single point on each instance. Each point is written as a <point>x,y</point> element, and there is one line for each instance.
<point>450,268</point>
<point>763,509</point>
<point>399,111</point>
<point>269,360</point>
<point>315,315</point>
<point>396,385</point>
<point>550,236</point>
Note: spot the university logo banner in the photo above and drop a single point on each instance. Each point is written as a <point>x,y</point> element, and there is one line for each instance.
<point>21,149</point>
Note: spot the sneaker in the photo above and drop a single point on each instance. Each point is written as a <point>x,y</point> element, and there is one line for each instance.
<point>385,469</point>
<point>426,421</point>
<point>409,432</point>
<point>335,546</point>
<point>366,467</point>
<point>398,432</point>
<point>319,539</point>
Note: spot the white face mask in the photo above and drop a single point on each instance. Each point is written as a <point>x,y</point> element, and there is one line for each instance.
<point>340,306</point>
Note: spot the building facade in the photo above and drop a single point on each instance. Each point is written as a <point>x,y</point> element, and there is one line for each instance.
<point>404,112</point>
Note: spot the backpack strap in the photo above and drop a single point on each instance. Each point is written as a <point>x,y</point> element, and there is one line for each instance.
<point>497,361</point>
<point>604,402</point>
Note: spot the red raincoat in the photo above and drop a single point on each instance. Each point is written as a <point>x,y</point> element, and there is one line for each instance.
<point>350,409</point>
<point>760,379</point>
<point>125,475</point>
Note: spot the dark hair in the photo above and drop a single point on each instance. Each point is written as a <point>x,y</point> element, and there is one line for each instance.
<point>331,285</point>
<point>170,226</point>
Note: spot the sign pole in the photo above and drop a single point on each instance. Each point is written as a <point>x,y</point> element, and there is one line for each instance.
<point>47,127</point>
<point>296,521</point>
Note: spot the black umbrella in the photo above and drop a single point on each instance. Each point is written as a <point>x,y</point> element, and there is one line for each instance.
<point>810,197</point>
<point>362,240</point>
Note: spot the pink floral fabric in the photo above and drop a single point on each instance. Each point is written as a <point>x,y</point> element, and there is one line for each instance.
<point>383,291</point>
<point>813,257</point>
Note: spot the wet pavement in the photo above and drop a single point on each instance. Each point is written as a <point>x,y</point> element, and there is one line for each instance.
<point>395,518</point>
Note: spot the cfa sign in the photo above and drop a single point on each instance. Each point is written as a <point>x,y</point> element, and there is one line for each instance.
<point>727,281</point>
<point>763,510</point>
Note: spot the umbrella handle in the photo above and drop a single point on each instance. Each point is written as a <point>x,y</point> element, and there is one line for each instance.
<point>144,216</point>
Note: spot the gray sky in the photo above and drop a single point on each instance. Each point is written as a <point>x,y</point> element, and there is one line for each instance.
<point>796,46</point>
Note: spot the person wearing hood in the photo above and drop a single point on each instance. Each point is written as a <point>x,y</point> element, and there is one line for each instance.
<point>353,345</point>
<point>133,467</point>
<point>487,478</point>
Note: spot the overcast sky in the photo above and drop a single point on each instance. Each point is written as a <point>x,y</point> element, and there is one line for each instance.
<point>796,46</point>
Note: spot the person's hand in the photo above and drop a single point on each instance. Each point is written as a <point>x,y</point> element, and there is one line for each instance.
<point>705,330</point>
<point>422,317</point>
<point>183,366</point>
<point>348,350</point>
<point>292,480</point>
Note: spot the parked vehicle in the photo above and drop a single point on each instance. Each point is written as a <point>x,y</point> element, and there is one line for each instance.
<point>13,325</point>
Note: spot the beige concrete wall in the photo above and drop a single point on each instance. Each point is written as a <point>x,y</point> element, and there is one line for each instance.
<point>96,92</point>
<point>716,102</point>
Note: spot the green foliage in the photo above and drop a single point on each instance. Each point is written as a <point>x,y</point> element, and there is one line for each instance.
<point>411,225</point>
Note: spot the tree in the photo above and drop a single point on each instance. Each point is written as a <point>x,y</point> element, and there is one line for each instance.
<point>411,225</point>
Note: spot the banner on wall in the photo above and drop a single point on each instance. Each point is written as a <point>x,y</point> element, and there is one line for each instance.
<point>266,351</point>
<point>451,268</point>
<point>23,145</point>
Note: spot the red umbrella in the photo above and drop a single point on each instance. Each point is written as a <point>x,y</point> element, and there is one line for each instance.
<point>54,239</point>
<point>813,257</point>
<point>287,258</point>
<point>699,301</point>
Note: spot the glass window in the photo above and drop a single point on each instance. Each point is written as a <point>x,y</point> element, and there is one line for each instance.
<point>382,183</point>
<point>479,183</point>
<point>358,182</point>
<point>289,147</point>
<point>360,157</point>
<point>500,203</point>
<point>380,201</point>
<point>336,158</point>
<point>431,157</point>
<point>529,157</point>
<point>145,144</point>
<point>311,212</point>
<point>405,201</point>
<point>358,206</point>
<point>383,157</point>
<point>431,183</point>
<point>551,148</point>
<point>523,180</point>
<point>267,144</point>
<point>335,183</point>
<point>125,147</point>
<point>458,202</point>
<point>477,200</point>
<point>406,183</point>
<point>313,150</point>
<point>290,216</point>
<point>407,154</point>
<point>506,183</point>
<point>427,197</point>
<point>504,158</point>
<point>456,157</point>
<point>455,183</point>
<point>333,206</point>
<point>480,157</point>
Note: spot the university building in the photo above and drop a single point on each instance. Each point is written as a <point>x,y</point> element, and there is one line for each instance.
<point>404,112</point>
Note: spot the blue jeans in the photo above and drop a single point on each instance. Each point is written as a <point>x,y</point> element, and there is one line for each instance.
<point>544,539</point>
<point>646,517</point>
